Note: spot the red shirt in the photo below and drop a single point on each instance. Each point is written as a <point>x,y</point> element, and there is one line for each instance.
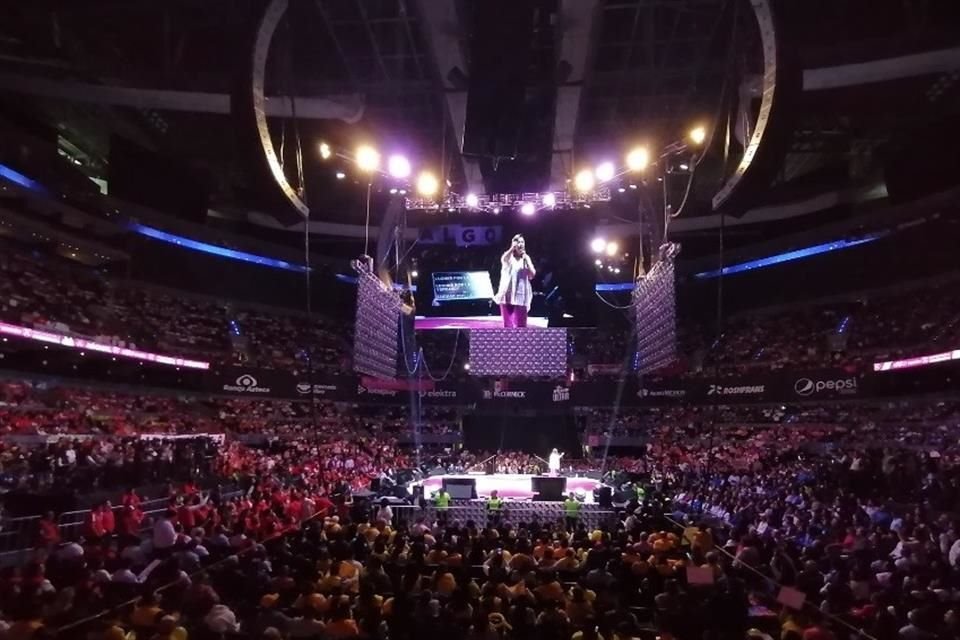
<point>49,532</point>
<point>107,521</point>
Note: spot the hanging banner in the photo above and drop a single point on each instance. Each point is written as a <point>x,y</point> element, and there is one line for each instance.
<point>461,235</point>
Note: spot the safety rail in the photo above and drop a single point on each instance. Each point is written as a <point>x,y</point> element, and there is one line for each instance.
<point>18,541</point>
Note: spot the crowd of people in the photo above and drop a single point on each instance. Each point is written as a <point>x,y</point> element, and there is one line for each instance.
<point>861,529</point>
<point>45,291</point>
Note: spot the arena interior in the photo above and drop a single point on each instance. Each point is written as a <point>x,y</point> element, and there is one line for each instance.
<point>422,319</point>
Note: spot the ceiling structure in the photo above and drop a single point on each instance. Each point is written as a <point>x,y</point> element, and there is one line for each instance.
<point>601,76</point>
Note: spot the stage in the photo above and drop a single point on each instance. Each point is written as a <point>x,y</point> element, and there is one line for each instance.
<point>511,486</point>
<point>469,322</point>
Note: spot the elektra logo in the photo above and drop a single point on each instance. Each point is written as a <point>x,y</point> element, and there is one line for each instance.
<point>742,390</point>
<point>561,393</point>
<point>439,393</point>
<point>809,386</point>
<point>246,383</point>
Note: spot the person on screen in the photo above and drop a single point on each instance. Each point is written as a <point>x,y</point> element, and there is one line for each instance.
<point>515,292</point>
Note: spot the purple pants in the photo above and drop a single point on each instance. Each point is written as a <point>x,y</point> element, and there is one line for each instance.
<point>514,315</point>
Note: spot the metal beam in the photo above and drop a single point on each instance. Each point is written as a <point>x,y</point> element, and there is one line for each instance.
<point>442,32</point>
<point>576,26</point>
<point>908,66</point>
<point>346,107</point>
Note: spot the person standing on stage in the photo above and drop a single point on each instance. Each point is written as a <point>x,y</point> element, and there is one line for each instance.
<point>442,503</point>
<point>515,292</point>
<point>494,509</point>
<point>571,510</point>
<point>553,462</point>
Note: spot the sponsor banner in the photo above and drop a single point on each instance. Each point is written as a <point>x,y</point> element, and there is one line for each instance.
<point>332,389</point>
<point>524,393</point>
<point>461,235</point>
<point>249,382</point>
<point>835,383</point>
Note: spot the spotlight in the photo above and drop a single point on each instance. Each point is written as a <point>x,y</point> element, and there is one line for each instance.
<point>341,175</point>
<point>698,135</point>
<point>621,190</point>
<point>617,270</point>
<point>414,273</point>
<point>605,171</point>
<point>325,151</point>
<point>402,192</point>
<point>368,159</point>
<point>472,200</point>
<point>393,191</point>
<point>466,366</point>
<point>496,210</point>
<point>549,200</point>
<point>427,184</point>
<point>583,181</point>
<point>684,167</point>
<point>398,166</point>
<point>612,249</point>
<point>598,262</point>
<point>598,245</point>
<point>633,186</point>
<point>638,159</point>
<point>528,209</point>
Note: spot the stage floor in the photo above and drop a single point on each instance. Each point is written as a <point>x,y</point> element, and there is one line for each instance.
<point>514,486</point>
<point>469,322</point>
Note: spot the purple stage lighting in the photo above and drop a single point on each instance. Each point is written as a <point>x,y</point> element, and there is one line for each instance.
<point>528,209</point>
<point>398,166</point>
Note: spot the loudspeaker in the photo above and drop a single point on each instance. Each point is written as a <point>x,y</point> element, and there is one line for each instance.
<point>461,488</point>
<point>605,497</point>
<point>548,488</point>
<point>501,33</point>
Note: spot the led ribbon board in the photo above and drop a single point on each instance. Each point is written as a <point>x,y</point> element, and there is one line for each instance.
<point>70,342</point>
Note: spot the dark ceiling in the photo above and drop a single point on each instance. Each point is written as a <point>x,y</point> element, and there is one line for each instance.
<point>644,72</point>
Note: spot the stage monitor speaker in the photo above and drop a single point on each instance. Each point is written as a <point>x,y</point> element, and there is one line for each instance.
<point>548,488</point>
<point>605,497</point>
<point>461,488</point>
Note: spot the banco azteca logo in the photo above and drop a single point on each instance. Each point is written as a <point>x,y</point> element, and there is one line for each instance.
<point>246,381</point>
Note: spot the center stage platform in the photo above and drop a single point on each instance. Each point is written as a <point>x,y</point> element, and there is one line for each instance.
<point>469,322</point>
<point>510,486</point>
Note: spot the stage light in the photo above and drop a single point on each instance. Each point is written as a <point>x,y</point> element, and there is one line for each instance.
<point>427,184</point>
<point>325,151</point>
<point>549,200</point>
<point>612,249</point>
<point>341,175</point>
<point>414,273</point>
<point>496,210</point>
<point>684,167</point>
<point>393,191</point>
<point>605,171</point>
<point>598,262</point>
<point>621,190</point>
<point>698,135</point>
<point>598,245</point>
<point>617,270</point>
<point>633,186</point>
<point>528,209</point>
<point>368,159</point>
<point>638,159</point>
<point>403,192</point>
<point>583,181</point>
<point>472,200</point>
<point>466,366</point>
<point>398,166</point>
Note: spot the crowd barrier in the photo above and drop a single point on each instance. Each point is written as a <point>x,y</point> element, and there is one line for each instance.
<point>18,535</point>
